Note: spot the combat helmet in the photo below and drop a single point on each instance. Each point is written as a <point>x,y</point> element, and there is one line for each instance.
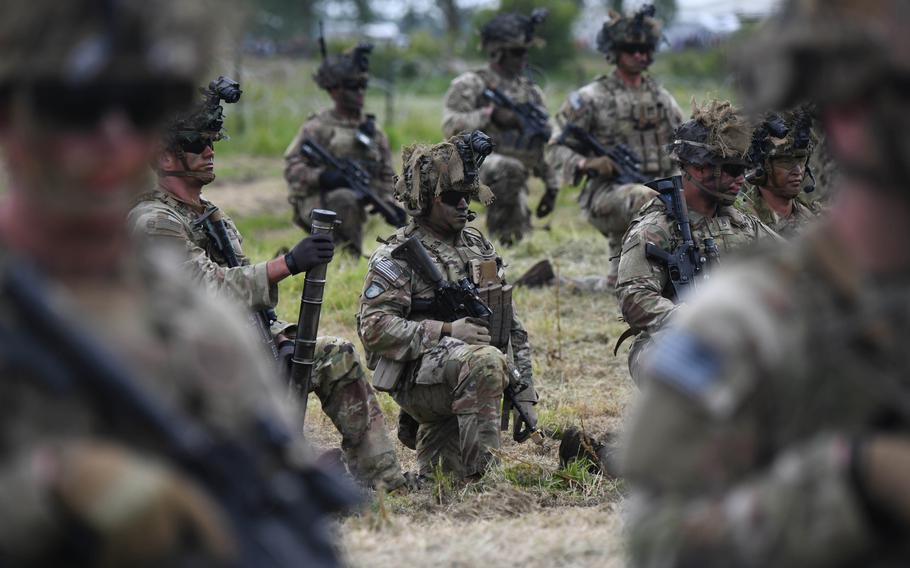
<point>201,126</point>
<point>352,65</point>
<point>147,52</point>
<point>642,30</point>
<point>452,165</point>
<point>512,31</point>
<point>782,136</point>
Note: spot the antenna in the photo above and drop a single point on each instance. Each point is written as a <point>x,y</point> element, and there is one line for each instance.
<point>322,49</point>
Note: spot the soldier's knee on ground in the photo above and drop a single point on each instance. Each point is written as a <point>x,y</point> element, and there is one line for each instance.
<point>482,379</point>
<point>337,363</point>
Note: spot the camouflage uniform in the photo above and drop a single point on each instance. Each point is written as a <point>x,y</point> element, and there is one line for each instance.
<point>614,113</point>
<point>453,389</point>
<point>750,443</point>
<point>339,136</point>
<point>185,348</point>
<point>359,140</point>
<point>645,293</point>
<point>338,378</point>
<point>802,215</point>
<point>506,172</point>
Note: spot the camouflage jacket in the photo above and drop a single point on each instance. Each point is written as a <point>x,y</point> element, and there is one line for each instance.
<point>389,327</point>
<point>183,347</point>
<point>161,216</point>
<point>738,450</point>
<point>644,285</point>
<point>613,113</point>
<point>343,138</point>
<point>752,203</point>
<point>463,111</point>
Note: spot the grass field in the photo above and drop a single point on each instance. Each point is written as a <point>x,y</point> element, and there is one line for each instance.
<point>527,512</point>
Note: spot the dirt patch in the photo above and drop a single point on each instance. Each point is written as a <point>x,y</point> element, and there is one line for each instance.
<point>265,196</point>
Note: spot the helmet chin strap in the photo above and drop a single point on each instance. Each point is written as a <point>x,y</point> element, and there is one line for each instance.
<point>205,177</point>
<point>722,198</point>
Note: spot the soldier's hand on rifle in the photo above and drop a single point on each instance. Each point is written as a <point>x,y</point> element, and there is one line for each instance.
<point>547,202</point>
<point>601,166</point>
<point>530,410</point>
<point>142,511</point>
<point>309,252</point>
<point>332,179</point>
<point>505,118</point>
<point>473,331</point>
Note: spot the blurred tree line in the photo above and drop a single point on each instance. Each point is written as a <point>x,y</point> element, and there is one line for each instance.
<point>292,26</point>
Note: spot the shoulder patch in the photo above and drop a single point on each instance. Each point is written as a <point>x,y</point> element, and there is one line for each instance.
<point>685,362</point>
<point>387,269</point>
<point>374,289</point>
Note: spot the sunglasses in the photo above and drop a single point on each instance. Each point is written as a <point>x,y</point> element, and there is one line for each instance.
<point>517,52</point>
<point>81,107</point>
<point>632,48</point>
<point>733,170</point>
<point>354,85</point>
<point>453,198</point>
<point>195,144</point>
<point>789,163</point>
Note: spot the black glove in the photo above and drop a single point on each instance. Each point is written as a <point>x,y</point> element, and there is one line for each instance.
<point>311,251</point>
<point>547,202</point>
<point>332,179</point>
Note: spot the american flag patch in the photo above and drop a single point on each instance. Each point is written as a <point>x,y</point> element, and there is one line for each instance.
<point>387,269</point>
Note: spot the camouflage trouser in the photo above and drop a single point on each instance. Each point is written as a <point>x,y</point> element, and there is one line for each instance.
<point>342,201</point>
<point>509,217</point>
<point>456,396</point>
<point>611,210</point>
<point>350,402</point>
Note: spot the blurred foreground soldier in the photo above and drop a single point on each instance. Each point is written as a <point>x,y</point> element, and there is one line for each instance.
<point>174,215</point>
<point>773,192</point>
<point>626,107</point>
<point>116,375</point>
<point>711,150</point>
<point>482,99</point>
<point>345,132</point>
<point>449,376</point>
<point>773,426</point>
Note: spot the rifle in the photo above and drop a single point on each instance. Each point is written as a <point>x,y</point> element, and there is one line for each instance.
<point>322,222</point>
<point>277,511</point>
<point>535,125</point>
<point>456,300</point>
<point>686,261</point>
<point>628,164</point>
<point>212,222</point>
<point>358,180</point>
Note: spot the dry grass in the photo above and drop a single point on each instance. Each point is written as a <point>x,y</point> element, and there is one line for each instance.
<point>528,510</point>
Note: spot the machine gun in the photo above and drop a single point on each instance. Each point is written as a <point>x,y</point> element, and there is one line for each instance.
<point>358,180</point>
<point>456,300</point>
<point>628,164</point>
<point>535,125</point>
<point>212,222</point>
<point>686,261</point>
<point>278,512</point>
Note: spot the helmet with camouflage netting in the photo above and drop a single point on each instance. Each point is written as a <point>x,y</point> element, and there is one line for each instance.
<point>351,66</point>
<point>716,134</point>
<point>641,30</point>
<point>453,165</point>
<point>781,137</point>
<point>161,46</point>
<point>512,31</point>
<point>201,126</point>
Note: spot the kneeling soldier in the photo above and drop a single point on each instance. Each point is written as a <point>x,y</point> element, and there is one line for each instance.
<point>175,212</point>
<point>449,375</point>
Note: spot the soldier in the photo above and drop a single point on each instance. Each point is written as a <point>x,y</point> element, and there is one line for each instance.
<point>168,215</point>
<point>345,132</point>
<point>626,107</point>
<point>710,149</point>
<point>84,479</point>
<point>519,153</point>
<point>773,427</point>
<point>773,192</point>
<point>449,375</point>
